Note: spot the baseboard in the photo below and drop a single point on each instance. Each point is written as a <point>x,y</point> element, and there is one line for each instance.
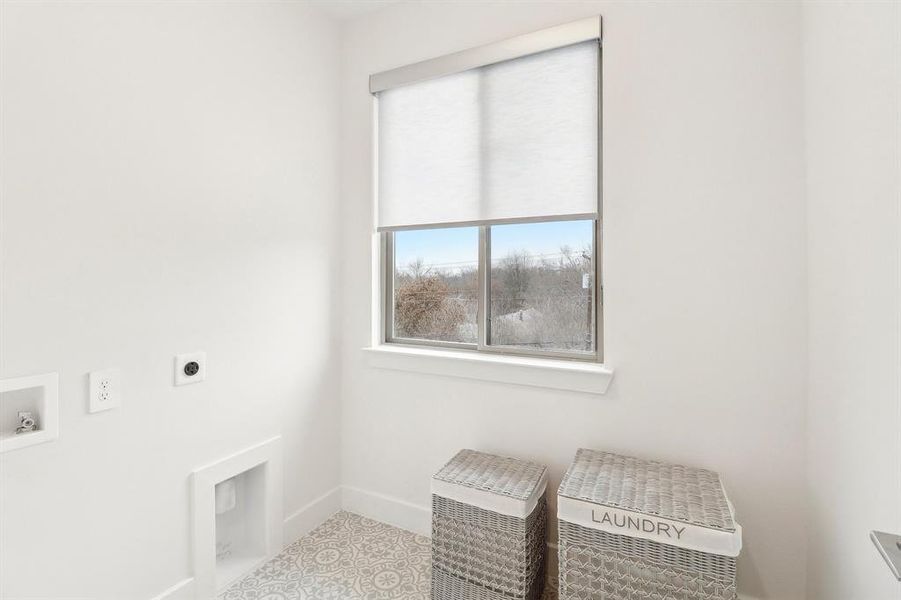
<point>388,509</point>
<point>183,590</point>
<point>311,516</point>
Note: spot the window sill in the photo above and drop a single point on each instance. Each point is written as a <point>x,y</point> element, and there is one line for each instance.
<point>591,378</point>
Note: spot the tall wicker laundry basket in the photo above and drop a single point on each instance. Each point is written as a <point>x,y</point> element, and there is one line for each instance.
<point>489,518</point>
<point>634,529</point>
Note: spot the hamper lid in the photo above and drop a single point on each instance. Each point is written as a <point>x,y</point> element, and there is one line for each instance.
<point>690,506</point>
<point>509,486</point>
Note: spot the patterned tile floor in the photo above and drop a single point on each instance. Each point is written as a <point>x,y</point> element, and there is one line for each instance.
<point>348,557</point>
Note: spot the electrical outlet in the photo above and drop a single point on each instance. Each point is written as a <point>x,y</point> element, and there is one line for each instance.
<point>104,390</point>
<point>190,368</point>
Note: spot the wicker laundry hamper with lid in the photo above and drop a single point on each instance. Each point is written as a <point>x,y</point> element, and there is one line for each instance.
<point>489,522</point>
<point>634,529</point>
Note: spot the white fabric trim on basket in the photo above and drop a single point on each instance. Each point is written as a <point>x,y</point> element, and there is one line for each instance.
<point>649,527</point>
<point>488,500</point>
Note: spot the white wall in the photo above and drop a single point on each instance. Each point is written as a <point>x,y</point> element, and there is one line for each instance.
<point>169,185</point>
<point>705,270</point>
<point>852,58</point>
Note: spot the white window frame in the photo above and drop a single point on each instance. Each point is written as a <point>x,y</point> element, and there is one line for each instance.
<point>384,267</point>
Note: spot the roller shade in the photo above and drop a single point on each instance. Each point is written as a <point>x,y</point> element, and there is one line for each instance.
<point>515,140</point>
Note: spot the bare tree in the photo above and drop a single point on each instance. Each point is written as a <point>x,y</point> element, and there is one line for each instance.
<point>543,303</point>
<point>515,273</point>
<point>418,269</point>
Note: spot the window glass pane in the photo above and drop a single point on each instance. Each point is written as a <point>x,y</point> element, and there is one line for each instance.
<point>541,286</point>
<point>436,284</point>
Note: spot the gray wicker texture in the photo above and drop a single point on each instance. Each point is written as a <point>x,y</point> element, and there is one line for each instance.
<point>655,488</point>
<point>448,586</point>
<point>479,554</point>
<point>598,565</point>
<point>500,475</point>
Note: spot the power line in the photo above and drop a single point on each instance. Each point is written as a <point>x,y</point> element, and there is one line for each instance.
<point>493,260</point>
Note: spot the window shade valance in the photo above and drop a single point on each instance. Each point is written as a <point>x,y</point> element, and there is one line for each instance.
<point>514,140</point>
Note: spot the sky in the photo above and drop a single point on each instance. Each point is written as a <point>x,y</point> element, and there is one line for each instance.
<point>458,247</point>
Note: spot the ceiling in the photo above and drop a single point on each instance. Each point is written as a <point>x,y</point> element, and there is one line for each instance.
<point>350,9</point>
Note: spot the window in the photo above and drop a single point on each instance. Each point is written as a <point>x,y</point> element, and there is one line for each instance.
<point>539,291</point>
<point>488,198</point>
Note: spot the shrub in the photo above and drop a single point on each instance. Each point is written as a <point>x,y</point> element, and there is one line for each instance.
<point>423,309</point>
